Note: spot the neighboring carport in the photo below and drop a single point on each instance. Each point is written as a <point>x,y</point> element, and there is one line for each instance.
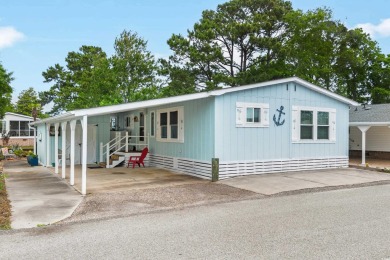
<point>369,131</point>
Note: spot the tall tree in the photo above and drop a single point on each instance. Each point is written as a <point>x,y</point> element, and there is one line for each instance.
<point>313,39</point>
<point>87,81</point>
<point>134,68</point>
<point>241,42</point>
<point>380,80</point>
<point>357,57</point>
<point>27,101</point>
<point>5,90</point>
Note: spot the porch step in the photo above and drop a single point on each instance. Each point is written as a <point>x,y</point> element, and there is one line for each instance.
<point>115,160</point>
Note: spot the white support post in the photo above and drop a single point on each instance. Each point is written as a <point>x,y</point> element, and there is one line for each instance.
<point>72,153</point>
<point>364,129</point>
<point>63,147</point>
<point>108,154</point>
<point>35,140</point>
<point>47,145</point>
<point>84,123</point>
<point>56,125</point>
<point>127,142</point>
<point>101,152</point>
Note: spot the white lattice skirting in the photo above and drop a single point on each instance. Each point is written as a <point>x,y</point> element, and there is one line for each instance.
<point>230,169</point>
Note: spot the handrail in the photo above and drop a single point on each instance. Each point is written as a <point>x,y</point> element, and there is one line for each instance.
<point>118,143</point>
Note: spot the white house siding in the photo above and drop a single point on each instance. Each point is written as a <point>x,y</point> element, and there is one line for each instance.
<point>270,149</point>
<point>377,139</point>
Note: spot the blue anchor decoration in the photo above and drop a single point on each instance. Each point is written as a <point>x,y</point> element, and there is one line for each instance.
<point>280,110</point>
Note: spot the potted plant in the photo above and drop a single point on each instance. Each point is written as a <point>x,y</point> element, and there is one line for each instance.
<point>32,159</point>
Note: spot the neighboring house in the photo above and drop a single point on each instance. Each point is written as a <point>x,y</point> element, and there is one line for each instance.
<point>370,131</point>
<point>17,126</point>
<point>281,125</point>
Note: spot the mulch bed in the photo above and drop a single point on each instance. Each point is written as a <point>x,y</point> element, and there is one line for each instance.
<point>5,207</point>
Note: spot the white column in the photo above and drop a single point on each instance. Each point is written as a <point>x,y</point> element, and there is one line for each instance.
<point>56,125</point>
<point>127,142</point>
<point>364,129</point>
<point>72,153</point>
<point>47,145</point>
<point>35,140</point>
<point>63,156</point>
<point>84,123</point>
<point>101,152</point>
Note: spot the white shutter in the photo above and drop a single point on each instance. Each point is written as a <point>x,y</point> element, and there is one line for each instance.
<point>332,125</point>
<point>265,115</point>
<point>295,124</point>
<point>240,114</point>
<point>158,133</point>
<point>181,124</point>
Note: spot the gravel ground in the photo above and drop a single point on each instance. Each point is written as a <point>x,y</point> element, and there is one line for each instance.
<point>125,203</point>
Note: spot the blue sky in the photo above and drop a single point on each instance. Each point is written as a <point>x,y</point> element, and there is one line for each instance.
<point>37,34</point>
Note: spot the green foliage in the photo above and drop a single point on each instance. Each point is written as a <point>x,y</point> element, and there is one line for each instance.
<point>91,79</point>
<point>27,101</point>
<point>239,43</point>
<point>244,42</point>
<point>5,91</point>
<point>85,82</point>
<point>134,68</point>
<point>31,154</point>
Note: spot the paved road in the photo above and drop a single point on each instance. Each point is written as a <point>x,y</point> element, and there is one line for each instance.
<point>339,224</point>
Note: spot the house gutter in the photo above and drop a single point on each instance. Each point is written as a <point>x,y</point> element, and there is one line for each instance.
<point>55,119</point>
<point>369,124</point>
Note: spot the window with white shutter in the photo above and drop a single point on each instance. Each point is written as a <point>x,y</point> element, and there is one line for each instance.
<point>252,115</point>
<point>313,124</point>
<point>170,125</point>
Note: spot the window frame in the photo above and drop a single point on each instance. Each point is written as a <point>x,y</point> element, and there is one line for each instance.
<point>321,125</point>
<point>315,124</point>
<point>312,125</point>
<point>241,114</point>
<point>180,125</point>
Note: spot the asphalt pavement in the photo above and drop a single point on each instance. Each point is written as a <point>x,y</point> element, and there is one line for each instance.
<point>337,224</point>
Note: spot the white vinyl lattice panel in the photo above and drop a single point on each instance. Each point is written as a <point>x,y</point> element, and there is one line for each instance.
<point>233,169</point>
<point>202,169</point>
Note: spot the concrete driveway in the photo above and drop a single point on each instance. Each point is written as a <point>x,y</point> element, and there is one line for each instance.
<point>37,196</point>
<point>103,180</point>
<point>270,184</point>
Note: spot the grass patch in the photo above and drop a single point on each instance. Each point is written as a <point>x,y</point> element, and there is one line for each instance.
<point>5,207</point>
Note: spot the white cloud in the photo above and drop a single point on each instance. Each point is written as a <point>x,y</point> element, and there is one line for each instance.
<point>381,29</point>
<point>8,36</point>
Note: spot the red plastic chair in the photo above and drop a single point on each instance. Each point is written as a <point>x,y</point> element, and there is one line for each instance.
<point>138,159</point>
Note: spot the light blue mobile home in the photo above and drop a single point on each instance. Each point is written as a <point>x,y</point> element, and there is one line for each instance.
<point>280,125</point>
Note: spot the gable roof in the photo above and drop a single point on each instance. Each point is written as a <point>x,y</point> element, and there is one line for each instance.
<point>18,115</point>
<point>170,100</point>
<point>378,114</point>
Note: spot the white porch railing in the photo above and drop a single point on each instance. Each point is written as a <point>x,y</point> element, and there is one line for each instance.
<point>120,143</point>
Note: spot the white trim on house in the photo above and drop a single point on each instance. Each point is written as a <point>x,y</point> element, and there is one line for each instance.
<point>180,125</point>
<point>369,124</point>
<point>241,114</point>
<point>171,100</point>
<point>296,124</point>
<point>18,115</point>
